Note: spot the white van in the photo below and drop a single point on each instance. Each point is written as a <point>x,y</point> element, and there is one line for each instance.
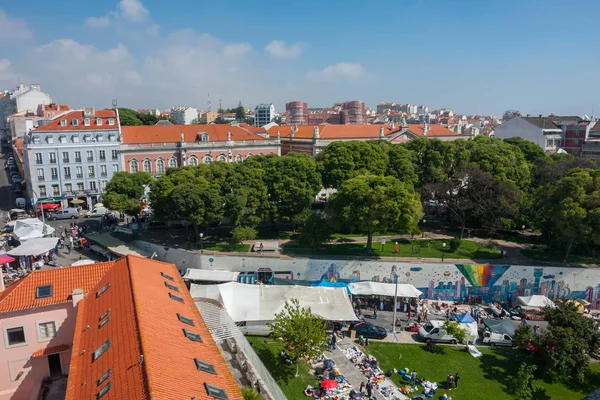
<point>497,339</point>
<point>97,212</point>
<point>66,213</point>
<point>254,328</point>
<point>434,332</point>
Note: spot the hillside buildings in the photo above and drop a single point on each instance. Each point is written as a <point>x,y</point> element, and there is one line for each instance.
<point>350,112</point>
<point>184,115</point>
<point>264,114</point>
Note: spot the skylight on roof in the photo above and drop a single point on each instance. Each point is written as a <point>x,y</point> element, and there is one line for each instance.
<point>169,277</point>
<point>215,392</point>
<point>175,288</point>
<point>104,315</point>
<point>204,366</point>
<point>101,350</point>
<point>103,322</point>
<point>193,336</point>
<point>104,390</point>
<point>179,299</point>
<point>102,290</point>
<point>104,377</point>
<point>41,292</point>
<point>186,320</point>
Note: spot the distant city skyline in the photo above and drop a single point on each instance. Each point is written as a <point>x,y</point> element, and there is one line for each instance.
<point>469,56</point>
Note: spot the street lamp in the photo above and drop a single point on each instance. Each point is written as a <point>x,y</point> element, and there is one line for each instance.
<point>395,303</point>
<point>201,244</point>
<point>443,250</point>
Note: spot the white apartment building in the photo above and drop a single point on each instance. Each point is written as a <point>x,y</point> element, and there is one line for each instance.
<point>184,115</point>
<point>23,98</point>
<point>264,114</point>
<point>73,156</point>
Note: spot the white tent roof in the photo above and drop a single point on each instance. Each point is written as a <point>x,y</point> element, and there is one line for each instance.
<point>535,301</point>
<point>34,247</point>
<point>384,289</point>
<point>261,302</point>
<point>83,262</point>
<point>31,228</point>
<point>471,329</point>
<point>195,274</point>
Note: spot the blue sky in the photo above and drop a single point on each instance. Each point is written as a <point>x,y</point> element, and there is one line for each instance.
<point>473,56</point>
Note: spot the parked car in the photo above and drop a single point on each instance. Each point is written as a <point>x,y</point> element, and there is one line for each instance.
<point>368,330</point>
<point>434,331</point>
<point>497,339</point>
<point>66,213</point>
<point>97,212</point>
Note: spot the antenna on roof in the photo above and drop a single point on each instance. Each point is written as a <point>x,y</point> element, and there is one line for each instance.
<point>115,103</point>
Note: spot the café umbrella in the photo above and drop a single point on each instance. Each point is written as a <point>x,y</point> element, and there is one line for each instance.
<point>77,201</point>
<point>329,384</point>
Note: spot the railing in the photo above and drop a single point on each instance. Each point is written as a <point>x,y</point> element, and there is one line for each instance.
<point>103,175</point>
<point>54,178</point>
<point>41,179</point>
<point>102,158</point>
<point>79,176</point>
<point>91,175</point>
<point>90,159</point>
<point>53,161</point>
<point>208,144</point>
<point>65,160</point>
<point>39,162</point>
<point>68,176</point>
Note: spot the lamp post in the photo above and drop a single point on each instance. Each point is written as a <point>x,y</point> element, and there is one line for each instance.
<point>443,250</point>
<point>395,303</point>
<point>201,243</point>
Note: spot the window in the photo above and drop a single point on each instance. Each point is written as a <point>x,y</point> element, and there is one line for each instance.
<point>54,173</point>
<point>207,159</point>
<point>172,162</point>
<point>79,172</point>
<point>104,390</point>
<point>204,366</point>
<point>67,172</point>
<point>203,136</point>
<point>87,138</point>
<point>75,139</point>
<point>193,336</point>
<point>100,138</point>
<point>115,168</point>
<point>169,277</point>
<point>63,122</point>
<point>104,315</point>
<point>102,155</point>
<point>114,154</point>
<point>239,158</point>
<point>47,330</point>
<point>172,287</point>
<point>99,121</point>
<point>185,320</point>
<point>62,139</point>
<point>41,292</point>
<point>52,158</point>
<point>49,139</point>
<point>221,158</point>
<point>55,190</point>
<point>103,322</point>
<point>42,190</point>
<point>104,377</point>
<point>193,161</point>
<point>40,174</point>
<point>15,336</point>
<point>36,140</point>
<point>147,165</point>
<point>101,350</point>
<point>86,122</point>
<point>160,166</point>
<point>68,188</point>
<point>93,187</point>
<point>215,392</point>
<point>576,141</point>
<point>48,115</point>
<point>176,298</point>
<point>77,156</point>
<point>90,155</point>
<point>38,158</point>
<point>75,122</point>
<point>111,121</point>
<point>91,173</point>
<point>248,155</point>
<point>576,132</point>
<point>104,185</point>
<point>103,171</point>
<point>133,166</point>
<point>65,156</point>
<point>102,290</point>
<point>80,186</point>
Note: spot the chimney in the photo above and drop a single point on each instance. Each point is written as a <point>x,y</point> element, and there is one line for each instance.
<point>393,125</point>
<point>76,296</point>
<point>425,129</point>
<point>316,132</point>
<point>229,136</point>
<point>381,131</point>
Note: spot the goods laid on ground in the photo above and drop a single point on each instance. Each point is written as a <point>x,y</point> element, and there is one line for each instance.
<point>333,384</point>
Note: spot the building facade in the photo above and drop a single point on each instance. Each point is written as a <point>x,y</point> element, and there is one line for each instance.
<point>296,113</point>
<point>207,117</point>
<point>264,114</point>
<point>184,115</point>
<point>353,113</point>
<point>73,156</point>
<point>546,132</point>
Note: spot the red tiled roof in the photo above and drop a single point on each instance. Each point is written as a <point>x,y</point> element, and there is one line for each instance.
<point>21,294</point>
<point>434,130</point>
<point>54,125</point>
<point>172,133</point>
<point>334,131</point>
<point>19,145</point>
<point>50,350</point>
<point>143,322</point>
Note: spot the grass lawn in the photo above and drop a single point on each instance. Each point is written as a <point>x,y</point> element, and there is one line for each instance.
<point>268,350</point>
<point>543,254</point>
<point>226,247</point>
<point>431,248</point>
<point>481,378</point>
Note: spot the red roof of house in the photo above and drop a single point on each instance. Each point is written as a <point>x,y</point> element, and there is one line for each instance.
<point>50,350</point>
<point>21,295</point>
<point>434,130</point>
<point>334,131</point>
<point>172,133</point>
<point>54,125</point>
<point>149,356</point>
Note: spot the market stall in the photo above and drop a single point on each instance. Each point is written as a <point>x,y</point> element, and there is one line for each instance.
<point>206,275</point>
<point>332,385</point>
<point>384,289</point>
<point>31,228</point>
<point>34,247</point>
<point>532,307</point>
<point>468,323</point>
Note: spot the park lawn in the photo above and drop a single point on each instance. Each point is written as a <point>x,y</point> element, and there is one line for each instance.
<point>543,254</point>
<point>227,247</point>
<point>430,248</point>
<point>268,350</point>
<point>481,378</point>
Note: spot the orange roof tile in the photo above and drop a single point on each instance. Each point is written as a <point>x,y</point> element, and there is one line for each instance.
<point>142,321</point>
<point>19,145</point>
<point>172,133</point>
<point>334,131</point>
<point>434,130</point>
<point>50,350</point>
<point>54,124</point>
<point>21,294</point>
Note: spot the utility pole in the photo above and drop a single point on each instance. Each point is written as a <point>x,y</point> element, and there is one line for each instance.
<point>395,303</point>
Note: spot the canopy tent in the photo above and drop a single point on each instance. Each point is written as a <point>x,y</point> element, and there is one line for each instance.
<point>261,302</point>
<point>535,301</point>
<point>383,289</point>
<point>194,274</point>
<point>34,247</point>
<point>465,318</point>
<point>4,259</point>
<point>326,283</point>
<point>47,206</point>
<point>83,262</point>
<point>467,322</point>
<point>503,326</point>
<point>31,228</point>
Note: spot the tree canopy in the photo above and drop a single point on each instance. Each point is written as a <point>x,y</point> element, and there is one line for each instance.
<point>124,192</point>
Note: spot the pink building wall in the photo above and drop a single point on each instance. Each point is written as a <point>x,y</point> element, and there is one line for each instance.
<point>14,360</point>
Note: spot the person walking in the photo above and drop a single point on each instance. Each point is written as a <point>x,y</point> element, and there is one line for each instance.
<point>456,379</point>
<point>333,342</point>
<point>369,390</point>
<point>362,388</point>
<point>413,377</point>
<point>448,382</point>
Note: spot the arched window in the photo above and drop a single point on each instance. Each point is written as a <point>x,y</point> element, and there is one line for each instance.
<point>147,165</point>
<point>203,137</point>
<point>260,154</point>
<point>134,166</point>
<point>271,153</point>
<point>160,166</point>
<point>248,155</point>
<point>207,159</point>
<point>172,162</point>
<point>222,158</point>
<point>239,158</point>
<point>193,161</point>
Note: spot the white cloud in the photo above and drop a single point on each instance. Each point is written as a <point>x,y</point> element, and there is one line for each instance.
<point>132,10</point>
<point>13,29</point>
<point>339,71</point>
<point>237,50</point>
<point>97,22</point>
<point>6,72</point>
<point>278,49</point>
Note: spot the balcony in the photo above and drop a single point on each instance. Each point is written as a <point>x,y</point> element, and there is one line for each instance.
<point>90,159</point>
<point>79,176</point>
<point>115,158</point>
<point>65,160</point>
<point>40,179</point>
<point>39,162</point>
<point>54,178</point>
<point>103,174</point>
<point>68,193</point>
<point>53,161</point>
<point>68,176</point>
<point>78,160</point>
<point>102,158</point>
<point>91,175</point>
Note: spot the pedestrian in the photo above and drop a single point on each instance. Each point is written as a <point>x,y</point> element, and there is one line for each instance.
<point>413,377</point>
<point>523,322</point>
<point>333,342</point>
<point>362,388</point>
<point>374,312</point>
<point>456,379</point>
<point>448,382</point>
<point>369,390</point>
<point>419,319</point>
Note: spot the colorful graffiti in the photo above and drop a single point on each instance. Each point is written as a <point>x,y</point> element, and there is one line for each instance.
<point>482,275</point>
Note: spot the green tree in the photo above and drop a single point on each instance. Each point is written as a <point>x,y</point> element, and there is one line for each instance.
<point>400,163</point>
<point>523,335</point>
<point>340,161</point>
<point>315,232</point>
<point>455,330</point>
<point>303,334</point>
<point>128,117</point>
<point>197,204</point>
<point>533,153</point>
<point>521,386</point>
<point>433,159</point>
<point>124,192</point>
<point>240,113</point>
<point>369,203</point>
<point>241,233</point>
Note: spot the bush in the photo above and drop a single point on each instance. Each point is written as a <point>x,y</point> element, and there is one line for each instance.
<point>241,233</point>
<point>250,393</point>
<point>454,245</point>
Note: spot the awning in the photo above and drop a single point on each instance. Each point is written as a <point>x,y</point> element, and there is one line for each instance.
<point>535,301</point>
<point>383,289</point>
<point>5,259</point>
<point>51,350</point>
<point>47,206</point>
<point>194,274</point>
<point>82,262</point>
<point>117,246</point>
<point>503,326</point>
<point>49,200</point>
<point>34,247</point>
<point>326,283</point>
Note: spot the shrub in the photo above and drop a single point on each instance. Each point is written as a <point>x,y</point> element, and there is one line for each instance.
<point>242,233</point>
<point>454,245</point>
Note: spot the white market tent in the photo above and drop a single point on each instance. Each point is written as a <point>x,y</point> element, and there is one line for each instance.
<point>194,274</point>
<point>83,262</point>
<point>261,302</point>
<point>383,289</point>
<point>31,228</point>
<point>535,301</point>
<point>34,247</point>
